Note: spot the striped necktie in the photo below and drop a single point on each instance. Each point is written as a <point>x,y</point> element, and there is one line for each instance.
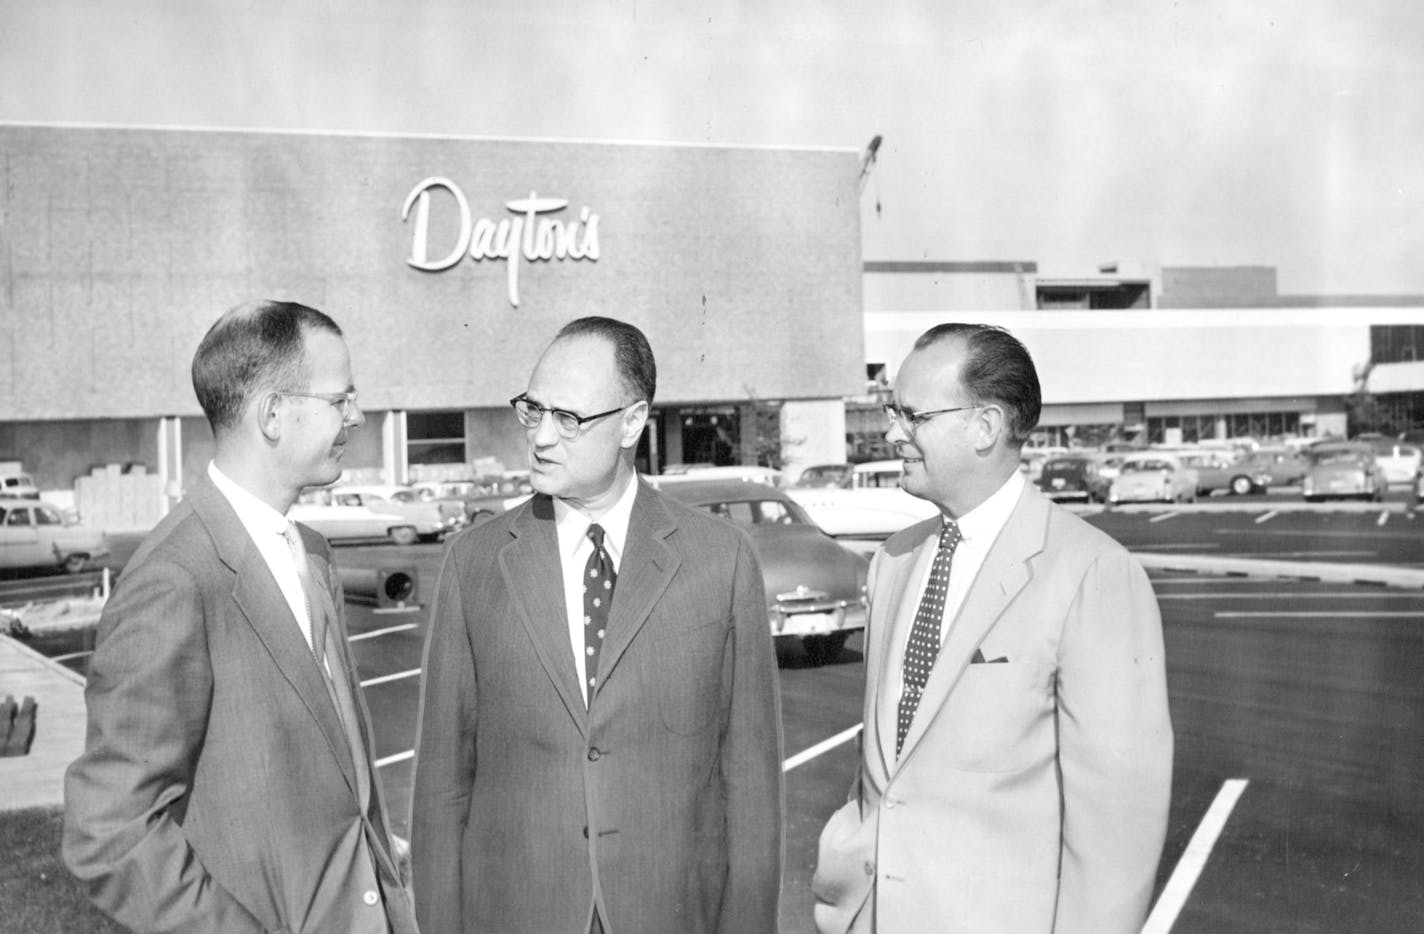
<point>923,648</point>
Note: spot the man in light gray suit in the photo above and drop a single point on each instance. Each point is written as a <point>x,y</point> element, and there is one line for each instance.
<point>599,745</point>
<point>226,783</point>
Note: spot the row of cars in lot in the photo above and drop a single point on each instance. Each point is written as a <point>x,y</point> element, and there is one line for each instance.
<point>1362,468</point>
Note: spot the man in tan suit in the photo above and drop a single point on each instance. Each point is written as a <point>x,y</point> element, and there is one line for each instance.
<point>226,782</point>
<point>600,732</point>
<point>1017,756</point>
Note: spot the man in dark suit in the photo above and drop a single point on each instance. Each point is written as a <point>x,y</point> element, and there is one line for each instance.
<point>226,783</point>
<point>599,744</point>
<point>1017,756</point>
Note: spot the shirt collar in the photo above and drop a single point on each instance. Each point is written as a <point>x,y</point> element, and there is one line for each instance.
<point>983,522</point>
<point>572,525</point>
<point>256,516</point>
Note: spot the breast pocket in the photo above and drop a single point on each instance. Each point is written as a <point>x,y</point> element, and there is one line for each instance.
<point>999,718</point>
<point>688,661</point>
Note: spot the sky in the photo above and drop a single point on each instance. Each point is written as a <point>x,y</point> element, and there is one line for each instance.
<point>1071,133</point>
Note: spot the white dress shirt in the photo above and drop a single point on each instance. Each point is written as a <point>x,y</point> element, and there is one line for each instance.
<point>574,550</point>
<point>978,528</point>
<point>268,529</point>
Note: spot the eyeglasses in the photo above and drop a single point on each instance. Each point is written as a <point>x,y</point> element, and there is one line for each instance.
<point>568,424</point>
<point>909,420</point>
<point>346,401</point>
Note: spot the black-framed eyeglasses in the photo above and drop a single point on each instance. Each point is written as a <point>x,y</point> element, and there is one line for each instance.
<point>909,420</point>
<point>346,401</point>
<point>568,424</point>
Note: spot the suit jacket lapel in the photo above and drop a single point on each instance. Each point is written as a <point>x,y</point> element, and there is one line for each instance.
<point>533,578</point>
<point>1003,574</point>
<point>266,611</point>
<point>647,567</point>
<point>905,574</point>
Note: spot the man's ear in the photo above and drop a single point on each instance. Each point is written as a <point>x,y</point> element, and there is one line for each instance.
<point>989,427</point>
<point>635,417</point>
<point>269,420</point>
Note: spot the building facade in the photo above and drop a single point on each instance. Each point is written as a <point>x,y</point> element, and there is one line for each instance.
<point>449,263</point>
<point>1166,354</point>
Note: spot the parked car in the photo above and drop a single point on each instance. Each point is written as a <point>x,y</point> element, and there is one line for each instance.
<point>1283,466</point>
<point>815,587</point>
<point>1225,470</point>
<point>824,475</point>
<point>18,485</point>
<point>1400,462</point>
<point>1343,470</point>
<point>700,472</point>
<point>1074,477</point>
<point>1154,476</point>
<point>342,514</point>
<point>34,534</point>
<point>872,506</point>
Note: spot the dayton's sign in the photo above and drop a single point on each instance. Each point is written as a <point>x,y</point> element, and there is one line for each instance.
<point>529,233</point>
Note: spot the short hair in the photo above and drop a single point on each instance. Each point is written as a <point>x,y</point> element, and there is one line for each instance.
<point>637,370</point>
<point>997,368</point>
<point>254,347</point>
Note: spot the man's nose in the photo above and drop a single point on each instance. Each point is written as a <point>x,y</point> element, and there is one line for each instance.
<point>545,434</point>
<point>357,418</point>
<point>895,433</point>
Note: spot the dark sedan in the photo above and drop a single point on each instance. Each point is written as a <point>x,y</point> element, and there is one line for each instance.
<point>1074,477</point>
<point>815,587</point>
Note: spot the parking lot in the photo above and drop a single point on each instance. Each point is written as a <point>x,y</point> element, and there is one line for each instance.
<point>1297,700</point>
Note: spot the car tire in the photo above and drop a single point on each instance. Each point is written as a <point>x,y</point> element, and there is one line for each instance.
<point>822,650</point>
<point>1241,486</point>
<point>403,535</point>
<point>74,563</point>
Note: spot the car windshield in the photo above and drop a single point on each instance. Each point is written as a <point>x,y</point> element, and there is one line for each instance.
<point>1145,466</point>
<point>758,512</point>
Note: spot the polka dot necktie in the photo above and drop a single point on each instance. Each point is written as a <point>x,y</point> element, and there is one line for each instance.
<point>923,648</point>
<point>598,580</point>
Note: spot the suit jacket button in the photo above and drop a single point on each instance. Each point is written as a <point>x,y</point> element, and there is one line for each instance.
<point>370,898</point>
<point>585,831</point>
<point>593,754</point>
<point>869,868</point>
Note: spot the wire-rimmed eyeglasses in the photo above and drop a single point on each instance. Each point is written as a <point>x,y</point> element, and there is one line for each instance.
<point>909,420</point>
<point>345,401</point>
<point>568,424</point>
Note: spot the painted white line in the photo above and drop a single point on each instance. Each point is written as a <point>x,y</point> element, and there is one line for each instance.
<point>1268,555</point>
<point>1164,516</point>
<point>65,658</point>
<point>1383,518</point>
<point>392,677</point>
<point>381,632</point>
<point>825,745</point>
<point>398,757</point>
<point>1266,516</point>
<point>1282,595</point>
<point>1326,614</point>
<point>1193,861</point>
<point>1192,547</point>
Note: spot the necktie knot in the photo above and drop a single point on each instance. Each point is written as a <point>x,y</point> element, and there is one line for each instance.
<point>595,535</point>
<point>949,536</point>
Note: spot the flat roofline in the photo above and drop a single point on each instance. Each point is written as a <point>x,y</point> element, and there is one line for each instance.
<point>942,266</point>
<point>444,137</point>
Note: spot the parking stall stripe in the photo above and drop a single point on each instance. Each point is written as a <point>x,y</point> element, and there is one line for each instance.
<point>1282,595</point>
<point>393,759</point>
<point>825,745</point>
<point>381,632</point>
<point>1325,614</point>
<point>1164,516</point>
<point>1193,861</point>
<point>1383,518</point>
<point>392,677</point>
<point>1266,516</point>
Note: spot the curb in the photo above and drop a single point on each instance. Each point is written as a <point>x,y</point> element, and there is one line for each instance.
<point>22,649</point>
<point>1299,570</point>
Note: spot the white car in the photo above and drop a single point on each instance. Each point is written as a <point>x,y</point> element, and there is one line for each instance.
<point>873,506</point>
<point>1154,476</point>
<point>1399,461</point>
<point>34,534</point>
<point>345,513</point>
